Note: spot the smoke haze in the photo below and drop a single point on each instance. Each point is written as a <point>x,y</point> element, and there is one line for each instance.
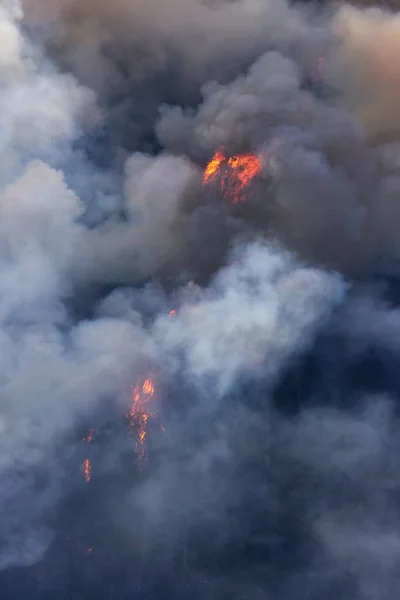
<point>263,335</point>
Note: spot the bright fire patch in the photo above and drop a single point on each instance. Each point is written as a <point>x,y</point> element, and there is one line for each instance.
<point>87,470</point>
<point>234,175</point>
<point>140,415</point>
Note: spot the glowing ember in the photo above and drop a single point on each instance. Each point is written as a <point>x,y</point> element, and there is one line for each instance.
<point>140,415</point>
<point>172,313</point>
<point>87,470</point>
<point>89,437</point>
<point>234,174</point>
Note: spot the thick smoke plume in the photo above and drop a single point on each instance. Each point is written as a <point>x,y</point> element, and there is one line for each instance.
<point>253,345</point>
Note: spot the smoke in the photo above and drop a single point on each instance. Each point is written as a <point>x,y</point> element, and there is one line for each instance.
<point>255,315</point>
<point>369,42</point>
<point>139,55</point>
<point>268,329</point>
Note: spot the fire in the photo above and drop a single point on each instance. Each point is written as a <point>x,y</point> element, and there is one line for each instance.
<point>87,470</point>
<point>140,415</point>
<point>234,174</point>
<point>89,437</point>
<point>213,167</point>
<point>142,393</point>
<point>148,388</point>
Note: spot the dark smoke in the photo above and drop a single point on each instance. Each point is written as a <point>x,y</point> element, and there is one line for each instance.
<point>270,329</point>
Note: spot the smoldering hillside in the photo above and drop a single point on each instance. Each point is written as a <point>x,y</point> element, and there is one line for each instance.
<point>267,332</point>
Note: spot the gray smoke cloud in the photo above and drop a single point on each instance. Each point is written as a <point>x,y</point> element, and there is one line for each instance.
<point>276,371</point>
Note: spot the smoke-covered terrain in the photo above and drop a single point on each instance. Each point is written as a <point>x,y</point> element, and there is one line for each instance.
<point>199,368</point>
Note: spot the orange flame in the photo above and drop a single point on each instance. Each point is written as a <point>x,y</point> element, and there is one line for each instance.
<point>140,415</point>
<point>234,174</point>
<point>87,470</point>
<point>214,166</point>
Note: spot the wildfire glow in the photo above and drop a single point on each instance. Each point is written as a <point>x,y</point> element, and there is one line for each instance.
<point>87,470</point>
<point>214,166</point>
<point>234,175</point>
<point>89,437</point>
<point>140,415</point>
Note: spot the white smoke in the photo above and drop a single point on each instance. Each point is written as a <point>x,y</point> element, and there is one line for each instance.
<point>255,316</point>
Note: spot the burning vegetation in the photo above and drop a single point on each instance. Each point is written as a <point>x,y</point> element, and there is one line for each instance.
<point>139,416</point>
<point>87,470</point>
<point>263,259</point>
<point>233,175</point>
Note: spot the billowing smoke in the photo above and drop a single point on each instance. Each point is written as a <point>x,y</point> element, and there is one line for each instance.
<point>199,300</point>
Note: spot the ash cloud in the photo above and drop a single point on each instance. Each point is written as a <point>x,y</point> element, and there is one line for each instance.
<point>269,328</point>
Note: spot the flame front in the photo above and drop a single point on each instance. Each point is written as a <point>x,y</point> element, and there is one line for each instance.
<point>87,470</point>
<point>234,174</point>
<point>140,415</point>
